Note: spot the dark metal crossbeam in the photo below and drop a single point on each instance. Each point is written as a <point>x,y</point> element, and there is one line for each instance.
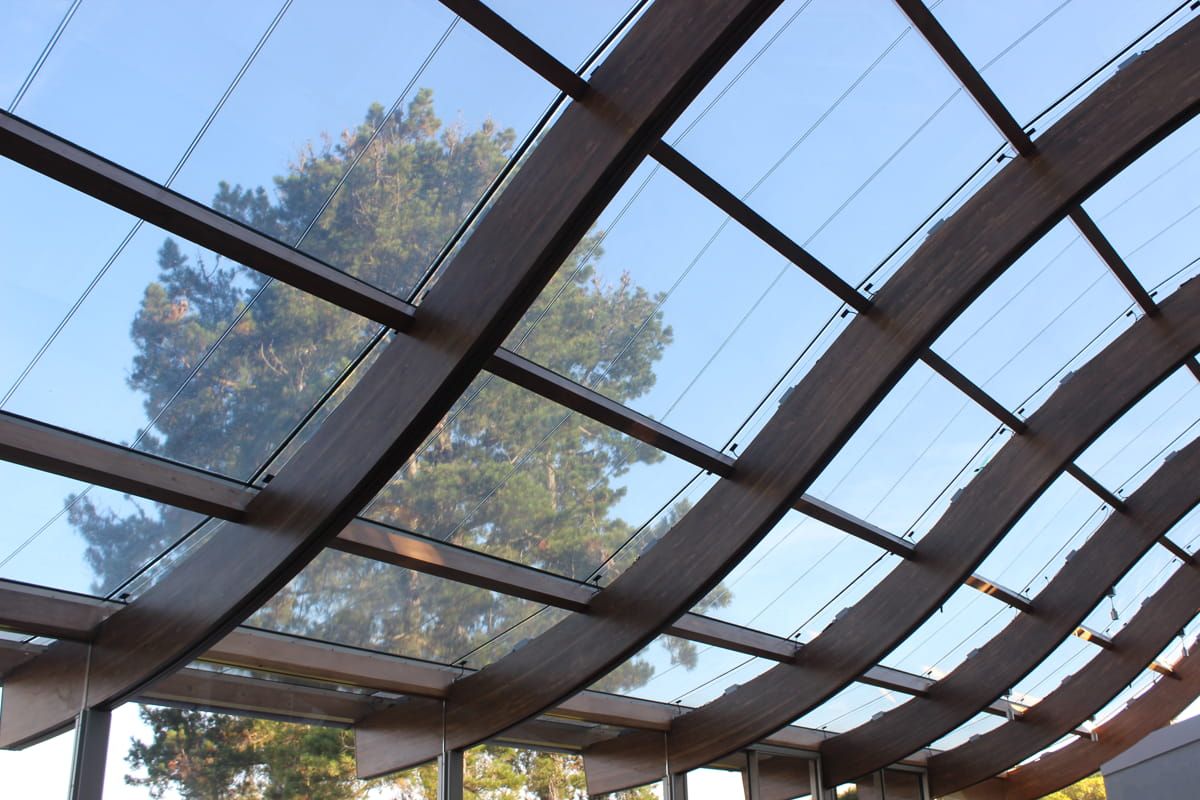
<point>948,50</point>
<point>736,208</point>
<point>524,49</point>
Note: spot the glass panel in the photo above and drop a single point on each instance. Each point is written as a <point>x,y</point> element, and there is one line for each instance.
<point>360,602</point>
<point>1065,660</point>
<point>161,751</point>
<point>71,536</point>
<point>1034,549</point>
<point>370,111</point>
<point>517,476</point>
<point>27,31</point>
<point>1061,743</point>
<point>693,329</point>
<point>179,353</point>
<point>978,725</point>
<point>850,166</point>
<point>1132,448</point>
<point>854,705</point>
<point>1139,584</point>
<point>42,770</point>
<point>672,670</point>
<point>568,31</point>
<point>797,578</point>
<point>967,621</point>
<point>915,443</point>
<point>1014,344</point>
<point>1033,52</point>
<point>1149,211</point>
<point>1169,656</point>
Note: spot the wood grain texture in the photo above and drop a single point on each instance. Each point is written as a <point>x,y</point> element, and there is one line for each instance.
<point>87,172</point>
<point>36,611</point>
<point>1119,121</point>
<point>1149,712</point>
<point>515,249</point>
<point>1083,694</point>
<point>73,455</point>
<point>1014,652</point>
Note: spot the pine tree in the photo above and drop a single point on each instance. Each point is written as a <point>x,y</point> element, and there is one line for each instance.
<point>383,221</point>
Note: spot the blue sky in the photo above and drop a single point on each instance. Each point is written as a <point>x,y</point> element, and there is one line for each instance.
<point>842,129</point>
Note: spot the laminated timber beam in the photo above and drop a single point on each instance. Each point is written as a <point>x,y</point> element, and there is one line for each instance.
<point>34,610</point>
<point>550,203</point>
<point>1138,108</point>
<point>1081,695</point>
<point>1121,120</point>
<point>957,62</point>
<point>36,444</point>
<point>289,656</point>
<point>73,455</point>
<point>1060,606</point>
<point>924,21</point>
<point>1160,704</point>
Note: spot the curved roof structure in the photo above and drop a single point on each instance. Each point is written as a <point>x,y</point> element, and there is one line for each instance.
<point>665,432</point>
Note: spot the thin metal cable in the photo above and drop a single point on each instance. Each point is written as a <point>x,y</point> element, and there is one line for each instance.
<point>41,59</point>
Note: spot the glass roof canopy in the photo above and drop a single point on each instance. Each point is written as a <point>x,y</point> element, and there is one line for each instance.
<point>669,310</point>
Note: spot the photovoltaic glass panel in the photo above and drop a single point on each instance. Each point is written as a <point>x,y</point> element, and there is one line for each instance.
<point>1149,212</point>
<point>694,329</point>
<point>1015,344</point>
<point>880,120</point>
<point>1033,52</point>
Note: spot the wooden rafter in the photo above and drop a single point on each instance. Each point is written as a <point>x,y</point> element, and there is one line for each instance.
<point>580,164</point>
<point>1120,120</point>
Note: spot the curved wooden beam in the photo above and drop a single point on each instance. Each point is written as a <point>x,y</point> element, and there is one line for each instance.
<point>516,248</point>
<point>1149,712</point>
<point>1081,695</point>
<point>1121,120</point>
<point>1078,412</point>
<point>1014,652</point>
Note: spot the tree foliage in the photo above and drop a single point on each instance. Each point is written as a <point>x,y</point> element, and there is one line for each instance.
<point>506,472</point>
<point>1090,788</point>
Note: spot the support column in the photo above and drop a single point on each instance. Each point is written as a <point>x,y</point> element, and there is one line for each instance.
<point>675,786</point>
<point>91,751</point>
<point>450,775</point>
<point>750,777</point>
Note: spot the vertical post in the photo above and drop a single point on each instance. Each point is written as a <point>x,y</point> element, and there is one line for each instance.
<point>750,776</point>
<point>90,753</point>
<point>450,775</point>
<point>816,779</point>
<point>675,786</point>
